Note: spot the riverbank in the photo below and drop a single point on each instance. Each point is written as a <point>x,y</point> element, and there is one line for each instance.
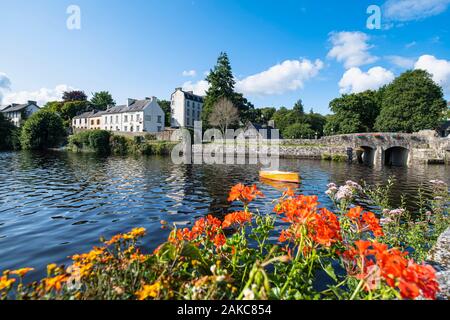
<point>106,143</point>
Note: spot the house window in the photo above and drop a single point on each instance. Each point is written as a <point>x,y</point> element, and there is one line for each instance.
<point>125,119</point>
<point>131,118</point>
<point>125,128</point>
<point>117,119</point>
<point>138,117</point>
<point>111,119</point>
<point>98,122</point>
<point>159,119</point>
<point>92,122</point>
<point>138,128</point>
<point>131,128</point>
<point>159,129</point>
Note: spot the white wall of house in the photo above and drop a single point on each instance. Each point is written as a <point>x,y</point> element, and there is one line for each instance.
<point>150,119</point>
<point>16,116</point>
<point>184,111</point>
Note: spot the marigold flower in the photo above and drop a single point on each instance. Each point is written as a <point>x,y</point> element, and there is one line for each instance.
<point>149,291</point>
<point>51,267</point>
<point>22,272</point>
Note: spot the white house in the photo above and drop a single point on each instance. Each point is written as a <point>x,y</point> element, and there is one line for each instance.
<point>17,113</point>
<point>186,107</point>
<point>136,116</point>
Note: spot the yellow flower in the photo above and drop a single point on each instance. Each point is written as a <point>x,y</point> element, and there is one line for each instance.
<point>149,291</point>
<point>51,268</point>
<point>22,272</point>
<point>6,283</point>
<point>55,282</point>
<point>137,232</point>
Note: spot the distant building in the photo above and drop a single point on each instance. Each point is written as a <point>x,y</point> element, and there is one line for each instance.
<point>186,107</point>
<point>136,116</point>
<point>17,113</point>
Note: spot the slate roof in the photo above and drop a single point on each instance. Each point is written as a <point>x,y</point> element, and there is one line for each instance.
<point>18,107</point>
<point>191,96</point>
<point>135,105</point>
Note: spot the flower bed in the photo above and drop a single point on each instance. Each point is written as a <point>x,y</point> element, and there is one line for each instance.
<point>249,255</point>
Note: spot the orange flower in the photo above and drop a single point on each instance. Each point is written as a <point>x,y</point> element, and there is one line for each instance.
<point>149,291</point>
<point>55,282</point>
<point>244,194</point>
<point>236,218</point>
<point>22,272</point>
<point>5,282</point>
<point>355,213</point>
<point>373,223</point>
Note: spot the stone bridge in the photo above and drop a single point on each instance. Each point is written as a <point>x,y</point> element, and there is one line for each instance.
<point>398,149</point>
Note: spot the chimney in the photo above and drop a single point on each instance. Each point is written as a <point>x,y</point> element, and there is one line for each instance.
<point>130,101</point>
<point>271,123</point>
<point>32,102</point>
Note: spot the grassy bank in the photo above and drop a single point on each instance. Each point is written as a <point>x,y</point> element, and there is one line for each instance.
<point>342,253</point>
<point>106,143</point>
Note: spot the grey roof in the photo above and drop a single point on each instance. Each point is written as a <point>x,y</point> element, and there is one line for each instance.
<point>18,107</point>
<point>135,105</point>
<point>191,96</point>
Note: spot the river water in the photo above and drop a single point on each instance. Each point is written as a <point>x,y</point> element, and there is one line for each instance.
<point>53,205</point>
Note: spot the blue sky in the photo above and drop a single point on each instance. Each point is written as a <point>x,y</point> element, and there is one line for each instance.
<point>280,51</point>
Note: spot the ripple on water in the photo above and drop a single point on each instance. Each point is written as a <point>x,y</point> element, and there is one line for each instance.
<point>53,205</point>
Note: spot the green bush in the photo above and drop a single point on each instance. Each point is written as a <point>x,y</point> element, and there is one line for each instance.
<point>99,141</point>
<point>44,129</point>
<point>326,156</point>
<point>338,157</point>
<point>9,134</point>
<point>119,145</point>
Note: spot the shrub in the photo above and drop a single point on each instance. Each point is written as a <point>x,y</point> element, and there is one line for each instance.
<point>119,145</point>
<point>99,141</point>
<point>44,129</point>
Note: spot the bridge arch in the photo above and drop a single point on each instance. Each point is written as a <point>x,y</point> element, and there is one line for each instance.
<point>366,155</point>
<point>396,156</point>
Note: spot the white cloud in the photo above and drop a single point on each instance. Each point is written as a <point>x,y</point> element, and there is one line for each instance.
<point>439,69</point>
<point>189,73</point>
<point>5,84</point>
<point>41,96</point>
<point>402,62</point>
<point>199,87</point>
<point>351,48</point>
<point>354,80</point>
<point>408,10</point>
<point>289,75</point>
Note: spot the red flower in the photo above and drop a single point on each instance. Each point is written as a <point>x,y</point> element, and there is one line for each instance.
<point>373,223</point>
<point>236,218</point>
<point>244,194</point>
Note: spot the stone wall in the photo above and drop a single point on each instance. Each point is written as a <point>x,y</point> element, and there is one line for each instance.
<point>439,257</point>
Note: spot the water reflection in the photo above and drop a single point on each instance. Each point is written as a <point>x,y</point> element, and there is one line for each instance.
<point>53,205</point>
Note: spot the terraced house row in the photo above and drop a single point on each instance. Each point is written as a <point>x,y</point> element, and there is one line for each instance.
<point>136,116</point>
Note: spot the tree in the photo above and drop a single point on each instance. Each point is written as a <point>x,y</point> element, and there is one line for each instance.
<point>224,114</point>
<point>71,109</point>
<point>353,113</point>
<point>412,102</point>
<point>221,85</point>
<point>75,95</point>
<point>299,131</point>
<point>101,100</point>
<point>267,113</point>
<point>44,129</point>
<point>299,109</point>
<point>166,107</point>
<point>8,133</point>
<point>316,121</point>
